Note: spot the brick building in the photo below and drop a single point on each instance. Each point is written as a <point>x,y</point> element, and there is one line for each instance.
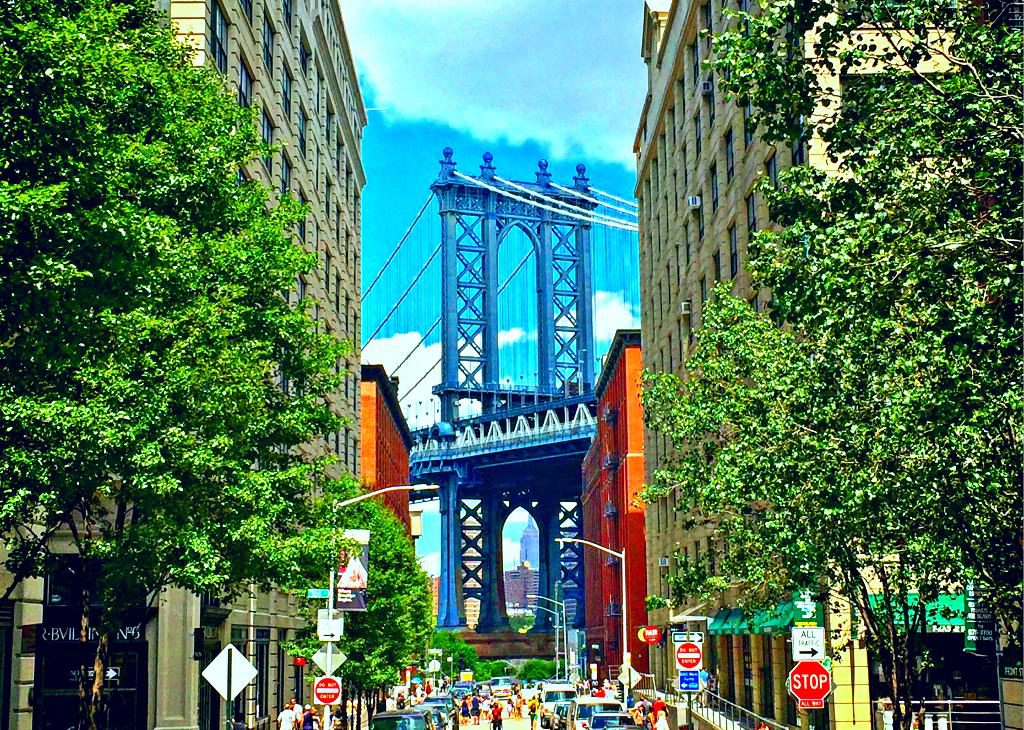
<point>520,583</point>
<point>613,516</point>
<point>385,440</point>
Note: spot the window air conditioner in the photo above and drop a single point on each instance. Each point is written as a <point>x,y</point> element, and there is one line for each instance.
<point>693,202</point>
<point>685,307</point>
<point>707,88</point>
<point>663,561</point>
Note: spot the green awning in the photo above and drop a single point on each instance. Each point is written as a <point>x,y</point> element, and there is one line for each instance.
<point>946,614</point>
<point>775,621</point>
<point>728,621</point>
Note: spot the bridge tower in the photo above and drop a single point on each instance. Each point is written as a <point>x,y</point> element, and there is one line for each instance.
<point>519,446</point>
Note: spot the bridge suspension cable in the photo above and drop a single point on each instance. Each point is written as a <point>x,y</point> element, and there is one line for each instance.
<point>408,289</point>
<point>598,217</point>
<point>586,216</point>
<point>627,211</point>
<point>437,321</point>
<point>399,246</point>
<point>614,197</point>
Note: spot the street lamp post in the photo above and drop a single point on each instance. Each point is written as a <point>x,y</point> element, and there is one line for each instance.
<point>565,626</point>
<point>622,572</point>
<point>555,614</point>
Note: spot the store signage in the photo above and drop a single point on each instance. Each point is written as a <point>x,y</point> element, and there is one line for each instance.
<point>650,634</point>
<point>979,624</point>
<point>73,633</point>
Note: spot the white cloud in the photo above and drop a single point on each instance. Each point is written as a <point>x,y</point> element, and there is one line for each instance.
<point>566,74</point>
<point>510,553</point>
<point>511,336</point>
<point>419,404</point>
<point>612,312</point>
<point>431,563</point>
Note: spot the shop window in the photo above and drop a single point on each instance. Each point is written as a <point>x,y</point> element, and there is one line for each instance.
<point>748,672</point>
<point>262,664</point>
<point>767,678</point>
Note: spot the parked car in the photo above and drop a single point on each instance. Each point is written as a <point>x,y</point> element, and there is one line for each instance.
<point>446,706</point>
<point>483,689</point>
<point>603,720</point>
<point>401,720</point>
<point>552,693</point>
<point>560,721</point>
<point>583,709</point>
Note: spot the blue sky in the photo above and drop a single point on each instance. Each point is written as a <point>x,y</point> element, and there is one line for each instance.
<point>523,79</point>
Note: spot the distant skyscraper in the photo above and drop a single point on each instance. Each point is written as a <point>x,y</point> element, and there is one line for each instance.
<point>529,544</point>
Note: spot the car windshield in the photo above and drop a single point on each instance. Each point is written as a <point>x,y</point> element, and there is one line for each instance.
<point>557,695</point>
<point>583,712</point>
<point>398,723</point>
<point>601,721</point>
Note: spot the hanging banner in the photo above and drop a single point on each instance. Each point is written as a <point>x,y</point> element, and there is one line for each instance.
<point>353,573</point>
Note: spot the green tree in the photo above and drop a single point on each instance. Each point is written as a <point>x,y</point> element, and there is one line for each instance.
<point>534,669</point>
<point>395,629</point>
<point>452,644</point>
<point>143,331</point>
<point>870,446</point>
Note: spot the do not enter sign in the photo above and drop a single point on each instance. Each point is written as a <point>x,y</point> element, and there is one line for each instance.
<point>689,656</point>
<point>326,691</point>
<point>810,683</point>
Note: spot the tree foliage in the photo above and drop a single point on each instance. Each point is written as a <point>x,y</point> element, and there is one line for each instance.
<point>143,330</point>
<point>452,644</point>
<point>396,626</point>
<point>870,446</point>
<point>534,669</point>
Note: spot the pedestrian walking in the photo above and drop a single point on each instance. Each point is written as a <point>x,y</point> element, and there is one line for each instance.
<point>496,723</point>
<point>286,718</point>
<point>533,707</point>
<point>464,711</point>
<point>474,709</point>
<point>307,718</point>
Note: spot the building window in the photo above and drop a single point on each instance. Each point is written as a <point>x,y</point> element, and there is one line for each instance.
<point>799,151</point>
<point>698,132</point>
<point>771,166</point>
<point>748,127</point>
<point>751,216</point>
<point>767,678</point>
<point>695,58</point>
<point>247,7</point>
<point>748,673</point>
<point>686,242</point>
<point>703,289</point>
<point>268,137</point>
<point>734,252</point>
<point>730,157</point>
<point>700,223</point>
<point>304,56</point>
<point>302,223</point>
<point>302,130</point>
<point>219,37</point>
<point>327,272</point>
<point>711,104</point>
<point>713,174</point>
<point>268,46</point>
<point>286,175</point>
<point>262,663</point>
<point>337,293</point>
<point>707,12</point>
<point>286,95</point>
<point>244,85</point>
<point>717,261</point>
<point>286,8</point>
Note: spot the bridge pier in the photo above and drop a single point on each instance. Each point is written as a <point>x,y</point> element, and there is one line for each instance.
<point>492,601</point>
<point>450,614</point>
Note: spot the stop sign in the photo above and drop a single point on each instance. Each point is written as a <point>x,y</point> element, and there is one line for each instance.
<point>689,656</point>
<point>326,691</point>
<point>810,683</point>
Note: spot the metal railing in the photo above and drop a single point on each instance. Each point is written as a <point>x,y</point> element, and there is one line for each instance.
<point>947,715</point>
<point>726,715</point>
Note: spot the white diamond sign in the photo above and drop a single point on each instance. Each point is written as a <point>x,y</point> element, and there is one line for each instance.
<point>229,672</point>
<point>337,659</point>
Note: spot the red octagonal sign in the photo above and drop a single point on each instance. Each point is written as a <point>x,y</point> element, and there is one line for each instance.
<point>326,691</point>
<point>810,683</point>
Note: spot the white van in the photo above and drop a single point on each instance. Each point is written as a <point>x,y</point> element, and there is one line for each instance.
<point>583,708</point>
<point>552,693</point>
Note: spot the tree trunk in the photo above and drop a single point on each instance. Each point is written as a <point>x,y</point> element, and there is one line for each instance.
<point>83,673</point>
<point>344,704</point>
<point>359,708</point>
<point>99,676</point>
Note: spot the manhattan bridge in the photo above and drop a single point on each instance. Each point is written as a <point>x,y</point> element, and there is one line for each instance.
<point>510,306</point>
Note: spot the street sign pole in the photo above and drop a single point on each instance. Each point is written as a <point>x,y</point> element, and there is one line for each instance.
<point>229,702</point>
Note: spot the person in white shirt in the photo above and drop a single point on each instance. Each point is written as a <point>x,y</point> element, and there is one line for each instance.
<point>286,720</point>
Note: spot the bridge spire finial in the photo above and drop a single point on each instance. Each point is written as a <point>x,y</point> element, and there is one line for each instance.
<point>543,176</point>
<point>581,179</point>
<point>487,169</point>
<point>447,164</point>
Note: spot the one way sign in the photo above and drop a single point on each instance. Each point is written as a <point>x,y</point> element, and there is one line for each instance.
<point>808,643</point>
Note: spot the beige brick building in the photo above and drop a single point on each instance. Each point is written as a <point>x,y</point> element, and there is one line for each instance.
<point>290,60</point>
<point>697,164</point>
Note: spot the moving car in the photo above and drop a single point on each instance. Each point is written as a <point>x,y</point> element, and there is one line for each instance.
<point>552,693</point>
<point>560,721</point>
<point>603,720</point>
<point>502,687</point>
<point>446,705</point>
<point>401,720</point>
<point>584,708</point>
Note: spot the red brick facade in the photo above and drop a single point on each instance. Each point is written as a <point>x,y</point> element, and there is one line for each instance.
<point>385,440</point>
<point>613,473</point>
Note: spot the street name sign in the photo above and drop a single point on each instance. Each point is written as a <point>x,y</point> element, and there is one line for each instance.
<point>697,637</point>
<point>689,680</point>
<point>322,593</point>
<point>810,683</point>
<point>808,643</point>
<point>229,672</point>
<point>689,656</point>
<point>327,691</point>
<point>337,659</point>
